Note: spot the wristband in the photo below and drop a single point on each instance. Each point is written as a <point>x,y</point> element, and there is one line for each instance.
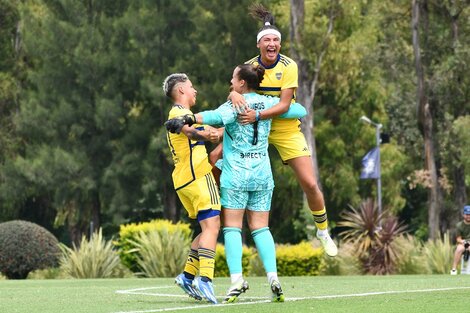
<point>258,116</point>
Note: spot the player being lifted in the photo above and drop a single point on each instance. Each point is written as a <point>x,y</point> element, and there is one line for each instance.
<point>196,188</point>
<point>281,80</point>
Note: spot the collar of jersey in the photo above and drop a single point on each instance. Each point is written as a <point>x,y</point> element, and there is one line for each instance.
<point>271,66</point>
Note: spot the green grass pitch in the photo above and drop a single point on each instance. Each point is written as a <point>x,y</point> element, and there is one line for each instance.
<point>419,293</point>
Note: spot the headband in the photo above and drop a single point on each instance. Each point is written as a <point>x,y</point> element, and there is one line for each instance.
<point>268,31</point>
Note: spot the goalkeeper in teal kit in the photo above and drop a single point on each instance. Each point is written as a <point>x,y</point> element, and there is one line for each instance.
<point>246,182</point>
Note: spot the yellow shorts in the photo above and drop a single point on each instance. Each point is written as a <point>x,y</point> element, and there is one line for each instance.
<point>290,144</point>
<point>202,194</point>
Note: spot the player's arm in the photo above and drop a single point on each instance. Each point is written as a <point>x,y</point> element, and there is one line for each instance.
<point>208,134</point>
<point>278,109</point>
<point>222,115</point>
<point>216,154</point>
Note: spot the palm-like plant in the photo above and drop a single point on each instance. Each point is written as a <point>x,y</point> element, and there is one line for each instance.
<point>374,245</point>
<point>362,226</point>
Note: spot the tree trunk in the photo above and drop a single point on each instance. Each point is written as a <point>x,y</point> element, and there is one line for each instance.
<point>460,193</point>
<point>425,123</point>
<point>95,216</point>
<point>170,212</point>
<point>169,194</point>
<point>307,82</point>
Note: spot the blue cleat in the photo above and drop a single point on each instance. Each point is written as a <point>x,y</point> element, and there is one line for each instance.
<point>205,289</point>
<point>187,286</point>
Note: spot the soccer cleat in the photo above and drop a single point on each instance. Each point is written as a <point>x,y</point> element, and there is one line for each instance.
<point>328,244</point>
<point>205,289</point>
<point>187,286</point>
<point>237,288</point>
<point>278,295</point>
<point>453,272</point>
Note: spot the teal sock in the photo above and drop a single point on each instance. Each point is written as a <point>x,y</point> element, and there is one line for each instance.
<point>266,249</point>
<point>233,249</point>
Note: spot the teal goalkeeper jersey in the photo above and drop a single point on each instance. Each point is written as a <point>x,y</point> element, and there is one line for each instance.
<point>246,164</point>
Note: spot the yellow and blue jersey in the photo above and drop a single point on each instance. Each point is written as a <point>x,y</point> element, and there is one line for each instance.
<point>189,156</point>
<point>283,74</point>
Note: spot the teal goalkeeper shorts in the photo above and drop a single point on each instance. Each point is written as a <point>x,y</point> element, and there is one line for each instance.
<point>251,200</point>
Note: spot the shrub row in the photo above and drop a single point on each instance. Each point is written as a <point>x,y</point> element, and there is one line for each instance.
<point>153,249</point>
<point>131,235</point>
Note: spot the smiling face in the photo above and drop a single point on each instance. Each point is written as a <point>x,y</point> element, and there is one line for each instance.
<point>187,91</point>
<point>269,47</point>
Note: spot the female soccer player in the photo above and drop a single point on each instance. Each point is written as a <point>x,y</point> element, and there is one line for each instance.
<point>196,188</point>
<point>281,80</point>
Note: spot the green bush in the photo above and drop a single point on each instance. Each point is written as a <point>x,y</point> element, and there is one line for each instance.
<point>94,258</point>
<point>439,254</point>
<point>48,273</point>
<point>129,233</point>
<point>298,260</point>
<point>160,253</point>
<point>345,263</point>
<point>221,267</point>
<point>412,259</point>
<point>25,247</point>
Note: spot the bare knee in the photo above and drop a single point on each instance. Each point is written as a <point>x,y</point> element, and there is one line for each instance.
<point>310,186</point>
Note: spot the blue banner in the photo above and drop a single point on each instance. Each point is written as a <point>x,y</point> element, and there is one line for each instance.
<point>370,164</point>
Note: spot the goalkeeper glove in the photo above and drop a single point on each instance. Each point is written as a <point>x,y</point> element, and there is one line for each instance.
<point>175,125</point>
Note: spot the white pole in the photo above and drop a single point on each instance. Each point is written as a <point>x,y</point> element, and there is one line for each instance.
<point>379,179</point>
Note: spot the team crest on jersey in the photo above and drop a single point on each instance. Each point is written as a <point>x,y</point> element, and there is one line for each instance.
<point>278,76</point>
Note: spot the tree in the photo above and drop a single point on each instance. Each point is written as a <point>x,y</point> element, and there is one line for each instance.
<point>438,50</point>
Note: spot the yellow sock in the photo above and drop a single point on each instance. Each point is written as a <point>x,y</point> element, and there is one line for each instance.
<point>320,218</point>
<point>192,263</point>
<point>207,261</point>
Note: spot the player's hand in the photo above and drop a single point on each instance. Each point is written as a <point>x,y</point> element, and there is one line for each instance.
<point>247,117</point>
<point>238,102</point>
<point>214,136</point>
<point>175,125</point>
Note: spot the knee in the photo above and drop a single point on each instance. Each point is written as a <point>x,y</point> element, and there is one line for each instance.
<point>214,226</point>
<point>459,250</point>
<point>310,186</point>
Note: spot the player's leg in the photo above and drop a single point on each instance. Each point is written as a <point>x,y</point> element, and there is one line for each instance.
<point>206,200</point>
<point>258,207</point>
<point>234,202</point>
<point>214,158</point>
<point>293,149</point>
<point>191,268</point>
<point>210,226</point>
<point>457,257</point>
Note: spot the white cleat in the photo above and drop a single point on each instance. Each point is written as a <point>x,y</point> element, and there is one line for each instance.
<point>328,244</point>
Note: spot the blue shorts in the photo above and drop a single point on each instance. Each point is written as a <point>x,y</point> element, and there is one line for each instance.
<point>251,200</point>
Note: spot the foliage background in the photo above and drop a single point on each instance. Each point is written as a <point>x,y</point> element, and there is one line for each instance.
<point>81,106</point>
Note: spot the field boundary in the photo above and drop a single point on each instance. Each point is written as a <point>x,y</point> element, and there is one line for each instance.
<point>259,300</point>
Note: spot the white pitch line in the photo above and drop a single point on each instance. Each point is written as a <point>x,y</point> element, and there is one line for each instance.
<point>365,294</point>
<point>137,291</point>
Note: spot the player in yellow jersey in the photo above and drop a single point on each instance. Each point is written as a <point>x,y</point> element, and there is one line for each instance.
<point>281,80</point>
<point>196,188</point>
